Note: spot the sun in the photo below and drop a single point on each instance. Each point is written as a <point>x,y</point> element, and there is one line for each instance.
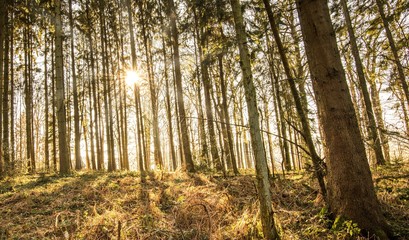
<point>132,78</point>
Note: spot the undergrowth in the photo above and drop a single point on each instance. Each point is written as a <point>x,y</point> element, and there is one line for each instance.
<point>125,205</point>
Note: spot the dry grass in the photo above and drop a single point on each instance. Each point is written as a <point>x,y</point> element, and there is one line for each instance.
<point>176,206</point>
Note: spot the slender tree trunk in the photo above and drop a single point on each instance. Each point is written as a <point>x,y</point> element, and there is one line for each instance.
<point>378,107</point>
<point>227,116</point>
<point>123,111</point>
<point>95,106</point>
<point>60,102</point>
<point>141,132</point>
<point>152,88</point>
<point>28,102</point>
<point>372,128</point>
<point>351,192</point>
<point>12,120</point>
<point>54,121</point>
<point>204,59</point>
<point>278,108</point>
<point>178,77</point>
<point>263,184</point>
<point>201,121</point>
<point>136,90</point>
<point>394,50</point>
<point>316,160</point>
<point>168,105</point>
<point>6,109</point>
<point>75,95</point>
<point>238,138</point>
<point>3,6</point>
<point>46,107</point>
<point>269,138</point>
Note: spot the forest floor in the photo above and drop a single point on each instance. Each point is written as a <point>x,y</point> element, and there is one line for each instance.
<point>96,205</point>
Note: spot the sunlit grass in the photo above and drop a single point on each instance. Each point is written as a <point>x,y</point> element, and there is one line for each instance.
<point>95,205</point>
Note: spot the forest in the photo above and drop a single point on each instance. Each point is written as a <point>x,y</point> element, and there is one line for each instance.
<point>204,119</point>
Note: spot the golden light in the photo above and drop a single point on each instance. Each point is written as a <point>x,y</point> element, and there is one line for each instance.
<point>132,78</point>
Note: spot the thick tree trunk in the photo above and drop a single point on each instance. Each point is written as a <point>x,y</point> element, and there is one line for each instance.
<point>263,184</point>
<point>351,192</point>
<point>60,102</point>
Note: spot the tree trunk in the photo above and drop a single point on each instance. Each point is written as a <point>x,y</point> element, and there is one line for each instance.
<point>204,156</point>
<point>28,102</point>
<point>152,87</point>
<point>178,77</point>
<point>2,28</point>
<point>225,110</point>
<point>46,106</point>
<point>204,59</point>
<point>75,95</point>
<point>372,128</point>
<point>377,107</point>
<point>168,105</point>
<point>60,102</point>
<point>12,120</point>
<point>6,77</point>
<point>316,160</point>
<point>394,50</point>
<point>99,157</point>
<point>263,184</point>
<point>351,192</point>
<point>54,121</point>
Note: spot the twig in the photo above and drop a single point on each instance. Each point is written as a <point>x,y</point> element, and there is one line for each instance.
<point>208,215</point>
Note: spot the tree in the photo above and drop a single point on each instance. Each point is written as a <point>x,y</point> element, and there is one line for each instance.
<point>6,80</point>
<point>75,94</point>
<point>317,161</point>
<point>60,95</point>
<point>394,50</point>
<point>372,128</point>
<point>263,184</point>
<point>351,192</point>
<point>178,81</point>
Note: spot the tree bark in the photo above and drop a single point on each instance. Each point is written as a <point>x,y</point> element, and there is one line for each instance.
<point>316,160</point>
<point>6,79</point>
<point>263,184</point>
<point>46,106</point>
<point>168,106</point>
<point>77,135</point>
<point>60,101</point>
<point>178,77</point>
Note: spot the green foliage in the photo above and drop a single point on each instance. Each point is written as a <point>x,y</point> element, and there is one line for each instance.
<point>345,228</point>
